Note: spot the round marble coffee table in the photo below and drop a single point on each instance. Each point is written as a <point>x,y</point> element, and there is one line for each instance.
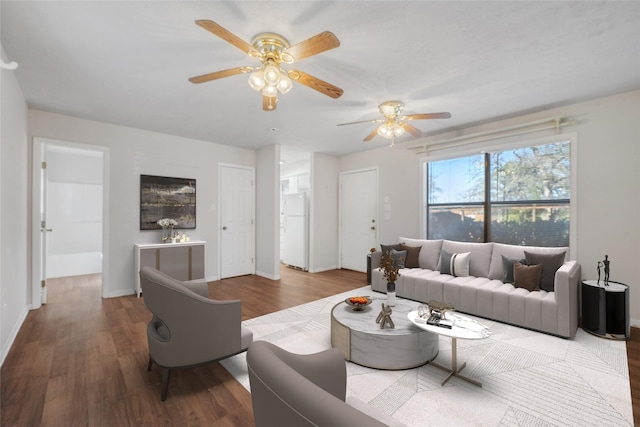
<point>361,340</point>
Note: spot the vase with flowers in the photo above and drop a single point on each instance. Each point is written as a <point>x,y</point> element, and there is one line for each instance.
<point>167,225</point>
<point>391,272</point>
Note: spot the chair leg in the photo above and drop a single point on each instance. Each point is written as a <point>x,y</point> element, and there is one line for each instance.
<point>166,374</point>
<point>150,364</point>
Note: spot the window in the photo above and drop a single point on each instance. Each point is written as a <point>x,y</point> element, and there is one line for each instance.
<point>519,196</point>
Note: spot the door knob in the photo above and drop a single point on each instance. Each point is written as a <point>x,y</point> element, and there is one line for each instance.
<point>224,227</point>
<point>372,227</point>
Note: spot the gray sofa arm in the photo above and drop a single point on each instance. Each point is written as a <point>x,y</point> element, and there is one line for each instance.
<point>375,259</point>
<point>567,281</point>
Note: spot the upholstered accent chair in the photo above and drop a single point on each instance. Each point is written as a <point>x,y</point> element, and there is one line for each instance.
<point>290,389</point>
<point>189,329</point>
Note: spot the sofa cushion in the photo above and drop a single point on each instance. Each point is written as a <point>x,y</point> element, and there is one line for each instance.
<point>387,248</point>
<point>413,255</point>
<point>550,264</point>
<point>399,257</point>
<point>527,276</point>
<point>480,258</point>
<point>507,268</point>
<point>455,264</point>
<point>429,254</point>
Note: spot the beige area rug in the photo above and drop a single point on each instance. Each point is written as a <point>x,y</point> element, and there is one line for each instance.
<point>529,378</point>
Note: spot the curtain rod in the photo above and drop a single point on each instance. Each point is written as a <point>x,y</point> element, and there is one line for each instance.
<point>550,123</point>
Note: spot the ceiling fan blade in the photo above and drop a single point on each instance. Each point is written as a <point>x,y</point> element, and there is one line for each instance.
<point>313,46</point>
<point>269,103</point>
<point>219,74</point>
<point>371,135</point>
<point>427,116</point>
<point>224,34</point>
<point>316,84</point>
<point>362,121</point>
<point>417,133</point>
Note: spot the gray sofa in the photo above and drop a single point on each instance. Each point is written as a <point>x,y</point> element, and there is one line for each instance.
<point>483,292</point>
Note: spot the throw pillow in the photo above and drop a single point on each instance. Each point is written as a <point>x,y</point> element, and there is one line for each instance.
<point>399,257</point>
<point>413,255</point>
<point>526,276</point>
<point>507,268</point>
<point>550,264</point>
<point>455,264</point>
<point>387,248</point>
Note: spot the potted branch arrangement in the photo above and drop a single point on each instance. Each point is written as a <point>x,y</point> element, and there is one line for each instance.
<point>391,272</point>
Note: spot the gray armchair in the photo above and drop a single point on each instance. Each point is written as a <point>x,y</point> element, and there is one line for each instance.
<point>301,390</point>
<point>189,329</point>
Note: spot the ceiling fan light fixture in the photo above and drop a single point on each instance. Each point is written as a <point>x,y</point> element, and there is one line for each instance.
<point>397,129</point>
<point>271,74</point>
<point>270,91</point>
<point>257,81</point>
<point>285,84</point>
<point>390,129</point>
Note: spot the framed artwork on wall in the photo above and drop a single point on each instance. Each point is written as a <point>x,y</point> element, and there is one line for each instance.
<point>166,197</point>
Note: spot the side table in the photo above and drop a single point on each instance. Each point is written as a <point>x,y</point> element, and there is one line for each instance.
<point>605,309</point>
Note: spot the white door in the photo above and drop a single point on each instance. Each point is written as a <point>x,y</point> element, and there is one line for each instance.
<point>237,224</point>
<point>358,217</point>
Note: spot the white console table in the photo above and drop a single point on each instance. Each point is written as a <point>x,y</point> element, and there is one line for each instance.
<point>182,261</point>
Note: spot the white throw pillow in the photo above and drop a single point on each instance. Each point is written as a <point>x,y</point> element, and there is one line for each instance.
<point>455,264</point>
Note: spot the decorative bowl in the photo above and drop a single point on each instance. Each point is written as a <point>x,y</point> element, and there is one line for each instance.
<point>358,303</point>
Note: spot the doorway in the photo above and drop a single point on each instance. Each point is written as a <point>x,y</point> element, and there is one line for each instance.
<point>358,217</point>
<point>70,204</point>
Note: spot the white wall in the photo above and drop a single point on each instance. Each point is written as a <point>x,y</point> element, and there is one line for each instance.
<point>268,212</point>
<point>134,152</point>
<point>14,213</point>
<point>608,184</point>
<point>323,219</point>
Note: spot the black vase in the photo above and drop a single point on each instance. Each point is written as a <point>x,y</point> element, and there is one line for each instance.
<point>391,286</point>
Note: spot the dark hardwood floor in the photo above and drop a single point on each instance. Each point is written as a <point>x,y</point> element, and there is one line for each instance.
<point>82,360</point>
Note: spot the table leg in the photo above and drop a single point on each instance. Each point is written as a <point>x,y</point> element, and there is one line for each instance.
<point>455,371</point>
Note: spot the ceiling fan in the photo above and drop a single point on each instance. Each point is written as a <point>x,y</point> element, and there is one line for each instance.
<point>272,50</point>
<point>393,124</point>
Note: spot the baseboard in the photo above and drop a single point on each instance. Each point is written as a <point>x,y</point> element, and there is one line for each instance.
<point>321,269</point>
<point>635,323</point>
<point>122,293</point>
<point>268,276</point>
<point>12,337</point>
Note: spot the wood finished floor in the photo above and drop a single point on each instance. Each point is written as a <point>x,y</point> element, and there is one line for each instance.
<point>82,360</point>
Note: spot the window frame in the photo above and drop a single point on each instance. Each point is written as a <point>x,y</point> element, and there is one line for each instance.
<point>503,144</point>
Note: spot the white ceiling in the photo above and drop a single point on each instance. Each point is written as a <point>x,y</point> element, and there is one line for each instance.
<point>127,63</point>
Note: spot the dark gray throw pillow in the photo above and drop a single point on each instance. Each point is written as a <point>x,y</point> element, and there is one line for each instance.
<point>399,257</point>
<point>550,264</point>
<point>387,248</point>
<point>507,267</point>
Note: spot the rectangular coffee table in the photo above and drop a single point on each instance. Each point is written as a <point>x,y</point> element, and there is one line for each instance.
<point>463,327</point>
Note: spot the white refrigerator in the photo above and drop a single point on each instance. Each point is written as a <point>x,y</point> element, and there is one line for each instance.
<point>295,230</point>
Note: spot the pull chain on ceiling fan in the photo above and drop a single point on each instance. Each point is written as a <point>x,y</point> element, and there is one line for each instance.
<point>393,124</point>
<point>272,50</point>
